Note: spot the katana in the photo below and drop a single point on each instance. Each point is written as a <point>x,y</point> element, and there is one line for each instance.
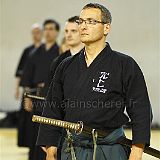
<point>79,128</point>
<point>34,96</point>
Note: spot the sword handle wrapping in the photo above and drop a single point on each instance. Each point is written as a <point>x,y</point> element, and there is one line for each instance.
<point>58,123</point>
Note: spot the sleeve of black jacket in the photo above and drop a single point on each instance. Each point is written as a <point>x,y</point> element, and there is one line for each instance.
<point>137,103</point>
<point>49,135</point>
<point>53,67</point>
<point>27,77</point>
<point>20,66</point>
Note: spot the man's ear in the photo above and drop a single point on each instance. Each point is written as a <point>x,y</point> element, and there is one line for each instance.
<point>107,28</point>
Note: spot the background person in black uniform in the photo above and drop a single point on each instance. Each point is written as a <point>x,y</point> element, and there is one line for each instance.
<point>24,120</point>
<point>73,42</point>
<point>36,74</point>
<point>112,80</point>
<point>36,32</point>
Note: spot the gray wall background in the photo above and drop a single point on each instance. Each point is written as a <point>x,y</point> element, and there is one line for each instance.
<point>135,31</point>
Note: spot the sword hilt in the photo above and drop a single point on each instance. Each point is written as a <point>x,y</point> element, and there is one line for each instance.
<point>77,127</point>
<point>34,96</point>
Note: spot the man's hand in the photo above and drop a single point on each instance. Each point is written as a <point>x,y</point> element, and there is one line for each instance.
<point>51,153</point>
<point>17,94</point>
<point>44,149</point>
<point>28,104</point>
<point>137,151</point>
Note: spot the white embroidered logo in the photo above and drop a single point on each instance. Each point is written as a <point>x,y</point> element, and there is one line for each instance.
<point>100,85</point>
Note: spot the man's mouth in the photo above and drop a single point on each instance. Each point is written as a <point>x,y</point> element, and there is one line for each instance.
<point>84,34</point>
<point>69,39</point>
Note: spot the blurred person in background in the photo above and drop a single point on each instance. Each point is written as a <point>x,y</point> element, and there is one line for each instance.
<point>74,43</point>
<point>11,119</point>
<point>63,46</point>
<point>36,32</point>
<point>25,126</point>
<point>35,77</point>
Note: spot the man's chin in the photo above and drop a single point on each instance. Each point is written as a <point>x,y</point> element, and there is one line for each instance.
<point>71,44</point>
<point>85,40</point>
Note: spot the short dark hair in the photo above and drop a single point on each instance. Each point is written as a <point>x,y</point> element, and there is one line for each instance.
<point>106,15</point>
<point>48,21</point>
<point>73,19</point>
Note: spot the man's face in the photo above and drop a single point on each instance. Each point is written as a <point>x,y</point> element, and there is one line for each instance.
<point>50,32</point>
<point>90,33</point>
<point>36,35</point>
<point>72,34</point>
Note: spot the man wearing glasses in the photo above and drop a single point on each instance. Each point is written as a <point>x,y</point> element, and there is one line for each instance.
<point>95,86</point>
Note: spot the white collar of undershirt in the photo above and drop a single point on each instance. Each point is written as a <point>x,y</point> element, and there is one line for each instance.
<point>73,53</point>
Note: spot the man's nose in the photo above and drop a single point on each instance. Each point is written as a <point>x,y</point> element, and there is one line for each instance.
<point>83,26</point>
<point>69,34</point>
